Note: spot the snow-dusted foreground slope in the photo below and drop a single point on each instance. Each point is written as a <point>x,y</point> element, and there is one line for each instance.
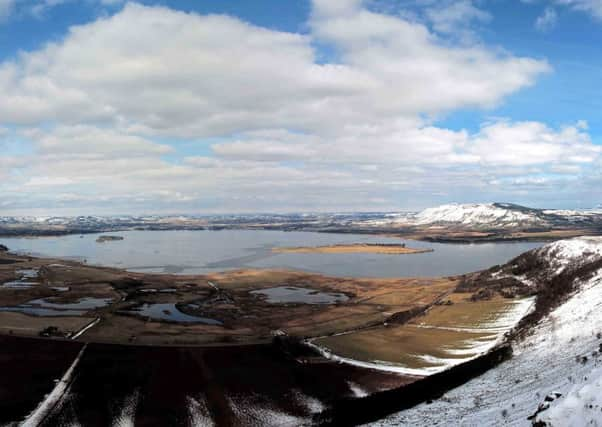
<point>560,355</point>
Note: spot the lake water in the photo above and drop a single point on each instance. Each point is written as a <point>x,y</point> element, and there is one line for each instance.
<point>199,252</point>
<point>293,294</point>
<point>46,307</point>
<point>170,312</point>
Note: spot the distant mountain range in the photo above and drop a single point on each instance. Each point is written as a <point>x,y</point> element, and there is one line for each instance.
<point>502,217</point>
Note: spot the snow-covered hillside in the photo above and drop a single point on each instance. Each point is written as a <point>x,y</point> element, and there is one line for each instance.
<point>492,215</point>
<point>555,375</point>
<point>571,253</point>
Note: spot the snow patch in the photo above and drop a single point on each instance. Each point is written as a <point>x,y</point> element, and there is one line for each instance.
<point>357,390</point>
<point>570,252</point>
<point>463,352</point>
<point>127,415</point>
<point>198,413</point>
<point>253,414</point>
<point>581,407</point>
<point>41,412</point>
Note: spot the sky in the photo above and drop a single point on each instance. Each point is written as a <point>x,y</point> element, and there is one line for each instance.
<point>212,106</point>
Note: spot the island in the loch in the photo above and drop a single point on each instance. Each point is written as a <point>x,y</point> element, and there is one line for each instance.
<point>104,239</point>
<point>375,248</point>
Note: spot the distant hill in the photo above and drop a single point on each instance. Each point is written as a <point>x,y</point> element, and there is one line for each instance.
<point>497,217</point>
<point>503,216</point>
<point>492,215</point>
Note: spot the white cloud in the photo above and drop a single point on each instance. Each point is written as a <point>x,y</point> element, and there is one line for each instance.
<point>455,16</point>
<point>39,8</point>
<point>547,20</point>
<point>285,131</point>
<point>89,142</point>
<point>195,75</point>
<point>533,143</point>
<point>593,7</point>
<point>46,181</point>
<point>415,72</point>
<point>6,8</point>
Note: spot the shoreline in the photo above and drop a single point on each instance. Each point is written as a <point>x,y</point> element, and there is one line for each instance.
<point>195,295</point>
<point>376,248</point>
<point>454,237</point>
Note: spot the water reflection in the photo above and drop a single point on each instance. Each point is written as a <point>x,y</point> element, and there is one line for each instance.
<point>204,251</point>
<point>44,307</point>
<point>295,295</point>
<point>169,312</point>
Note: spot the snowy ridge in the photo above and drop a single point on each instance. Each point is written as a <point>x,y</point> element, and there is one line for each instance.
<point>496,215</point>
<point>571,252</point>
<point>562,355</point>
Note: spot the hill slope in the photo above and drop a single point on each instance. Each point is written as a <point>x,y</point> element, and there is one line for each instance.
<point>492,215</point>
<point>560,355</point>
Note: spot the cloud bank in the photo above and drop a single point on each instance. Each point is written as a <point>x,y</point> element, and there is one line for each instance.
<point>153,109</point>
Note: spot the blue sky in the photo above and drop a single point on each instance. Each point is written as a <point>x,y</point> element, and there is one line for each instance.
<point>274,105</point>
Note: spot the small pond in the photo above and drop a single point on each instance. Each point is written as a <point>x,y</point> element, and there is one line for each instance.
<point>18,284</point>
<point>88,303</point>
<point>43,307</point>
<point>293,294</point>
<point>24,281</point>
<point>170,313</point>
<point>43,312</point>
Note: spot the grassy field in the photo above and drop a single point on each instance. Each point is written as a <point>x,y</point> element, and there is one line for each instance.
<point>458,330</point>
<point>227,297</point>
<point>21,324</point>
<point>403,345</point>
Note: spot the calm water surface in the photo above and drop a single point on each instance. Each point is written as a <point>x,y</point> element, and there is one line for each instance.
<point>170,312</point>
<point>293,294</point>
<point>199,252</point>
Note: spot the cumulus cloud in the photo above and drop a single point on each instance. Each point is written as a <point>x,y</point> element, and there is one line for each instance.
<point>547,20</point>
<point>104,111</point>
<point>81,141</point>
<point>533,143</point>
<point>198,75</point>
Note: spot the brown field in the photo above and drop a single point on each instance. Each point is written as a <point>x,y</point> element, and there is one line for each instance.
<point>21,324</point>
<point>443,327</point>
<point>551,235</point>
<point>246,317</point>
<point>461,235</point>
<point>380,320</point>
<point>464,313</point>
<point>353,248</point>
<point>400,345</point>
